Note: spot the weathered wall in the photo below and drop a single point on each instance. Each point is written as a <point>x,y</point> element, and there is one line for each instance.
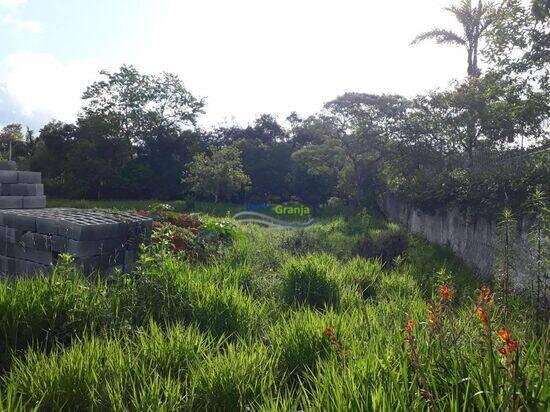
<point>473,240</point>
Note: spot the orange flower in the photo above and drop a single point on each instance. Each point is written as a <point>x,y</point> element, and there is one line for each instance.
<point>511,345</point>
<point>504,334</point>
<point>482,314</point>
<point>486,295</point>
<point>445,292</point>
<point>431,314</point>
<point>410,325</point>
<point>330,333</point>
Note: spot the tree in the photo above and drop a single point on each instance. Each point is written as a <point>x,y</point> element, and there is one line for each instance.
<point>518,43</point>
<point>219,175</point>
<point>357,131</point>
<point>9,135</point>
<point>474,21</point>
<point>136,104</point>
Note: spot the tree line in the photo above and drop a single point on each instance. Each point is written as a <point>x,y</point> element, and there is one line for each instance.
<point>137,137</point>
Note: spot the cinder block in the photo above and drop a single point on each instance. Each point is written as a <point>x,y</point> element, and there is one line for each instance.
<point>34,202</point>
<point>86,248</point>
<point>47,226</point>
<point>7,266</point>
<point>20,220</point>
<point>91,263</point>
<point>9,235</point>
<point>38,256</point>
<point>23,189</point>
<point>11,202</point>
<point>28,177</point>
<point>36,241</point>
<point>9,176</point>
<point>24,267</point>
<point>8,165</point>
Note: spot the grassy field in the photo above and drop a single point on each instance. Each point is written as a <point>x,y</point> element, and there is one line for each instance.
<point>272,320</point>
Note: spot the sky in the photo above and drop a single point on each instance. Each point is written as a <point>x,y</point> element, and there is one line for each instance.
<point>246,57</point>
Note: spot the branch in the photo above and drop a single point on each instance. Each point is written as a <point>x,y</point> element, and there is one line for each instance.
<point>441,36</point>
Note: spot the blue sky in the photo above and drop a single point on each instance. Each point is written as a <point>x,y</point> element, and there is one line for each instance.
<point>245,56</point>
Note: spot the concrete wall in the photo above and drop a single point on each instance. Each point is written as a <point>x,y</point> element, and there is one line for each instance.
<point>472,239</point>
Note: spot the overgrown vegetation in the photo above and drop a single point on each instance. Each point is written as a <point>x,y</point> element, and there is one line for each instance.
<point>262,325</point>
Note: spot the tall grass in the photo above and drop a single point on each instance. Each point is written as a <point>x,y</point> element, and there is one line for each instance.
<point>263,326</point>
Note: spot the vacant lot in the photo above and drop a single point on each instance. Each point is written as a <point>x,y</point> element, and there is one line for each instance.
<point>272,320</point>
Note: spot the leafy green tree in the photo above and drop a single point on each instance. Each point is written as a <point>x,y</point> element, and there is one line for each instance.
<point>9,135</point>
<point>220,174</point>
<point>518,43</point>
<point>136,104</point>
<point>474,21</point>
<point>356,140</point>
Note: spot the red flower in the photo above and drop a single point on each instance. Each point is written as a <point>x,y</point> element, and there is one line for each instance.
<point>504,334</point>
<point>445,292</point>
<point>511,345</point>
<point>486,295</point>
<point>432,318</point>
<point>482,314</point>
<point>330,333</point>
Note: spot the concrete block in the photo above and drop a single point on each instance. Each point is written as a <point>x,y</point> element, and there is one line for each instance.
<point>8,165</point>
<point>7,266</point>
<point>28,177</point>
<point>8,176</point>
<point>23,189</point>
<point>34,202</point>
<point>85,248</point>
<point>36,241</point>
<point>59,243</point>
<point>9,235</point>
<point>24,267</point>
<point>92,263</point>
<point>38,256</point>
<point>20,220</point>
<point>47,226</point>
<point>11,202</point>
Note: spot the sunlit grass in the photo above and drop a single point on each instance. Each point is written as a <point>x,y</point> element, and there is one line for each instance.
<point>274,322</point>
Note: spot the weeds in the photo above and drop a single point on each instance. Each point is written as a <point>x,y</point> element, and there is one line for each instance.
<point>259,326</point>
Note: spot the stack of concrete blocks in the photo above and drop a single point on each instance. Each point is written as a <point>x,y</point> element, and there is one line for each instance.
<point>20,190</point>
<point>32,239</point>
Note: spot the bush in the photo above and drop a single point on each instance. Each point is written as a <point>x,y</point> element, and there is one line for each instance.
<point>302,342</point>
<point>46,311</point>
<point>234,380</point>
<point>113,374</point>
<point>363,275</point>
<point>311,280</point>
<point>386,245</point>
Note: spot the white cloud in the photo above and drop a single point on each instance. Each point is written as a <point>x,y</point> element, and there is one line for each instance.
<point>12,4</point>
<point>250,57</point>
<point>22,25</point>
<point>37,87</point>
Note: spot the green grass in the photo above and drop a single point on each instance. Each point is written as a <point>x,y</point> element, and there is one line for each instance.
<point>279,320</point>
<point>215,209</point>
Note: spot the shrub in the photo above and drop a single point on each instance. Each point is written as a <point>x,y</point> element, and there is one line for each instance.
<point>234,380</point>
<point>311,280</point>
<point>387,245</point>
<point>302,342</point>
<point>112,374</point>
<point>363,275</point>
<point>225,311</point>
<point>45,311</point>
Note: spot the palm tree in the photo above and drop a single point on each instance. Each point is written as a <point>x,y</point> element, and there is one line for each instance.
<point>474,21</point>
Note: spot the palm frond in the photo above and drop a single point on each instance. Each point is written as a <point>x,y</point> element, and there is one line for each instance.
<point>441,36</point>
